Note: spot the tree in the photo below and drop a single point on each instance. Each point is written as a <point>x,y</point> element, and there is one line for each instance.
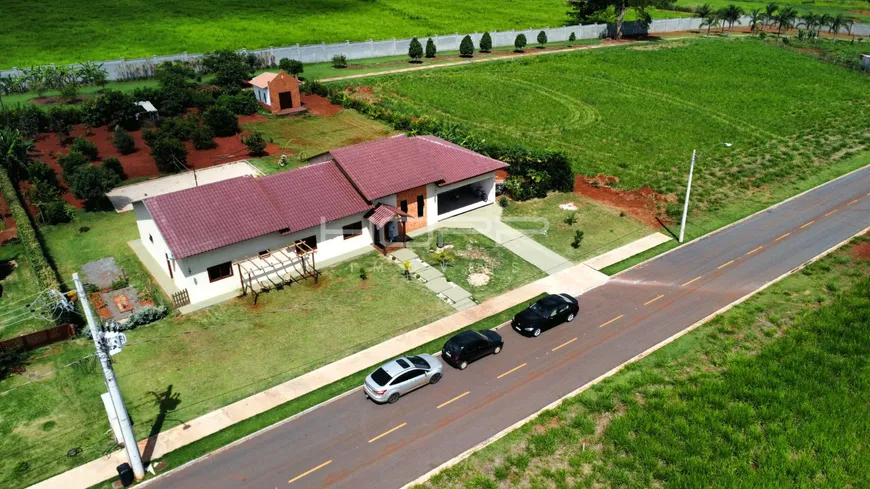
<point>85,147</point>
<point>14,152</point>
<point>520,43</point>
<point>123,141</point>
<point>770,13</point>
<point>431,50</point>
<point>704,11</point>
<point>466,47</point>
<point>92,182</point>
<point>169,154</point>
<point>415,51</point>
<point>231,69</point>
<point>587,10</point>
<point>485,43</point>
<point>785,19</point>
<point>732,14</point>
<point>71,162</point>
<point>203,137</point>
<point>836,23</point>
<point>291,66</point>
<point>542,39</point>
<point>255,143</point>
<point>45,197</point>
<point>114,165</point>
<point>93,74</point>
<point>571,39</point>
<point>712,20</point>
<point>221,120</point>
<point>756,17</point>
<point>38,170</point>
<point>339,61</point>
<point>809,21</point>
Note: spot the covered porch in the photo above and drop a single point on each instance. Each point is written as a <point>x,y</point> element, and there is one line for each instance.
<point>388,227</point>
<point>465,196</point>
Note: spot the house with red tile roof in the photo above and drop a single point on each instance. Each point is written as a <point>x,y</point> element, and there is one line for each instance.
<point>248,234</point>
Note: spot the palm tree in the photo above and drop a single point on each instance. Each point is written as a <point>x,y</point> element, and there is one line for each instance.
<point>731,14</point>
<point>703,11</point>
<point>755,18</point>
<point>770,13</point>
<point>808,20</point>
<point>14,152</point>
<point>711,20</point>
<point>848,25</point>
<point>785,19</point>
<point>837,22</point>
<point>823,20</point>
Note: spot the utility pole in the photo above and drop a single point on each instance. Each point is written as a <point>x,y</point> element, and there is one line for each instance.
<point>688,191</point>
<point>112,384</point>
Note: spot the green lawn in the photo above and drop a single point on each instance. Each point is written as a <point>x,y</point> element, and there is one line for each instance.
<point>770,394</point>
<point>286,334</point>
<point>19,289</point>
<point>492,268</point>
<point>604,228</point>
<point>57,31</point>
<point>637,112</point>
<point>856,9</point>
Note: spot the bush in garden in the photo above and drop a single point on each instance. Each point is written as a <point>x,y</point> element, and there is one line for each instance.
<point>572,39</point>
<point>56,211</point>
<point>542,39</point>
<point>242,103</point>
<point>111,106</point>
<point>466,47</point>
<point>176,128</point>
<point>520,43</point>
<point>231,69</point>
<point>150,136</point>
<point>578,238</point>
<point>486,43</point>
<point>503,201</point>
<point>221,120</point>
<point>123,141</point>
<point>92,182</point>
<point>114,165</point>
<point>71,162</point>
<point>291,66</point>
<point>38,170</point>
<point>85,147</point>
<point>339,61</point>
<point>203,137</point>
<point>143,316</point>
<point>12,360</point>
<point>431,50</point>
<point>255,143</point>
<point>415,51</point>
<point>169,154</point>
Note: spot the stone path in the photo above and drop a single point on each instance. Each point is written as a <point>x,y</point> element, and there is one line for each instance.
<point>459,298</point>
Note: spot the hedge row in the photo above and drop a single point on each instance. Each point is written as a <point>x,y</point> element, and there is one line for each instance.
<point>533,172</point>
<point>46,276</point>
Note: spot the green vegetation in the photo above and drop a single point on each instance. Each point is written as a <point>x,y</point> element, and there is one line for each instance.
<point>769,394</point>
<point>482,267</point>
<point>286,334</point>
<point>635,112</point>
<point>857,9</point>
<point>19,285</point>
<point>604,228</point>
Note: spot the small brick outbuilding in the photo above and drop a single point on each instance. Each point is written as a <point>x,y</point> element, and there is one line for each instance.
<point>277,92</point>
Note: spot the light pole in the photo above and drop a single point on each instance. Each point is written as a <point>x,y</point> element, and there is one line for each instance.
<point>689,186</point>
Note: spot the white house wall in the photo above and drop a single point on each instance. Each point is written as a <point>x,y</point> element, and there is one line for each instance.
<point>262,95</point>
<point>152,238</point>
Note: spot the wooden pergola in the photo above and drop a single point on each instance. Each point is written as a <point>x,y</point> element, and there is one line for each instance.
<point>277,268</point>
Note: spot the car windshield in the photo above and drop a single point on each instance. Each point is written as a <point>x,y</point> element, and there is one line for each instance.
<point>381,377</point>
<point>402,363</point>
<point>540,310</point>
<point>481,335</point>
<point>418,362</point>
<point>452,347</point>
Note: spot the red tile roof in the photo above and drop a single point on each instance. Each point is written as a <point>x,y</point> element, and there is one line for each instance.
<point>211,216</point>
<point>383,214</point>
<point>387,166</point>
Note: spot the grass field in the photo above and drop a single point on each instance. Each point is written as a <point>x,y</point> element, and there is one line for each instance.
<point>638,112</point>
<point>857,9</point>
<point>19,288</point>
<point>57,31</point>
<point>288,333</point>
<point>770,394</point>
<point>604,228</point>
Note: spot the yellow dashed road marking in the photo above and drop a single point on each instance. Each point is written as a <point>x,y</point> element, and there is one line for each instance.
<point>783,236</point>
<point>460,396</point>
<point>756,249</point>
<point>324,464</point>
<point>653,300</point>
<point>725,265</point>
<point>565,344</point>
<point>612,320</point>
<point>387,432</point>
<point>690,281</point>
<point>511,371</point>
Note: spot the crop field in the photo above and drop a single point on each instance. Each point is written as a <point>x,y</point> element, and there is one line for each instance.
<point>770,394</point>
<point>857,9</point>
<point>637,112</point>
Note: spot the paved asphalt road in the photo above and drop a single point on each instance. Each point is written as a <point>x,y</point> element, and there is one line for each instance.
<point>351,443</point>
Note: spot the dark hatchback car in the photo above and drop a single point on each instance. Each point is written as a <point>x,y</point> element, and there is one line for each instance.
<point>469,346</point>
<point>545,313</point>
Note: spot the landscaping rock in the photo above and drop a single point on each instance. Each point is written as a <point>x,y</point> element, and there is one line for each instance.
<point>102,273</point>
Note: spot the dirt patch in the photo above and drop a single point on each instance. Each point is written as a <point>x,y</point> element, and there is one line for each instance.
<point>8,232</point>
<point>320,106</point>
<point>860,12</point>
<point>364,93</point>
<point>643,203</point>
<point>58,100</point>
<point>861,251</point>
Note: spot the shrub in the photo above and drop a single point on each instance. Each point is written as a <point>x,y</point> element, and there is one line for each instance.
<point>231,69</point>
<point>169,154</point>
<point>571,219</point>
<point>45,197</point>
<point>542,39</point>
<point>12,359</point>
<point>578,238</point>
<point>221,120</point>
<point>520,43</point>
<point>109,106</point>
<point>56,211</point>
<point>71,162</point>
<point>150,136</point>
<point>38,170</point>
<point>291,66</point>
<point>123,141</point>
<point>572,39</point>
<point>431,50</point>
<point>92,182</point>
<point>143,316</point>
<point>466,47</point>
<point>203,137</point>
<point>415,51</point>
<point>503,201</point>
<point>85,147</point>
<point>339,61</point>
<point>242,103</point>
<point>176,128</point>
<point>255,143</point>
<point>114,165</point>
<point>486,43</point>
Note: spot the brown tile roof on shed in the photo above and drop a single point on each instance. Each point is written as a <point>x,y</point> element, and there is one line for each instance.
<point>211,216</point>
<point>262,80</point>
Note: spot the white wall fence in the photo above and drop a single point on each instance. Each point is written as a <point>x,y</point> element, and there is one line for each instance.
<point>128,69</point>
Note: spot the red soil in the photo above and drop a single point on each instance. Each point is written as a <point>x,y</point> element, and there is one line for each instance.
<point>9,232</point>
<point>319,106</point>
<point>140,163</point>
<point>862,251</point>
<point>639,203</point>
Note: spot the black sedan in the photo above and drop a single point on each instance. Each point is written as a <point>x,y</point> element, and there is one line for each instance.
<point>468,346</point>
<point>545,313</point>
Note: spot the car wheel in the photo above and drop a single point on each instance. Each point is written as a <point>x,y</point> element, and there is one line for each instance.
<point>497,350</point>
<point>463,365</point>
<point>570,317</point>
<point>537,332</point>
<point>393,398</point>
<point>435,378</point>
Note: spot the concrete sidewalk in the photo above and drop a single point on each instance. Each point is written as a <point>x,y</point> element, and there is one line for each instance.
<point>574,280</point>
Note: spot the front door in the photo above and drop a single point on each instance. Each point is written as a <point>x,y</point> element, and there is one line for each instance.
<point>285,100</point>
<point>377,234</point>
